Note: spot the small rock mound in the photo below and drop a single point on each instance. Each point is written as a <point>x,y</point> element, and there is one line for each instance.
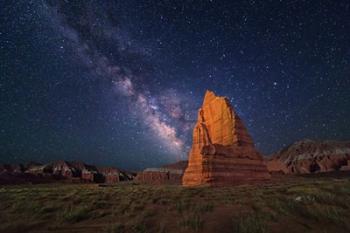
<point>167,174</point>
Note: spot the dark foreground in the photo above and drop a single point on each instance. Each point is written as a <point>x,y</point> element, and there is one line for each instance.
<point>299,204</point>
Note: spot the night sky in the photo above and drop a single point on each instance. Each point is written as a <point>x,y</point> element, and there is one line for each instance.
<point>119,82</point>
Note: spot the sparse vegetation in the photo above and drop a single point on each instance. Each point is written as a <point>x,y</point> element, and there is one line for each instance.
<point>140,228</point>
<point>194,222</point>
<point>300,205</point>
<point>76,214</point>
<point>249,224</point>
<point>115,228</point>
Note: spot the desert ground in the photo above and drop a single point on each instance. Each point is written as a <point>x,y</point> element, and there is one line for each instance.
<point>291,204</point>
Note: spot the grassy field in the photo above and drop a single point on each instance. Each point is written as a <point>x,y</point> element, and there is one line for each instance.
<point>296,205</point>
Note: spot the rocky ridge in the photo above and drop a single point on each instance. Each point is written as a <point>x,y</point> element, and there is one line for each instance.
<point>74,171</point>
<point>311,156</point>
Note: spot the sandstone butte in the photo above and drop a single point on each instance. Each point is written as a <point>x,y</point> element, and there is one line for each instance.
<point>222,152</point>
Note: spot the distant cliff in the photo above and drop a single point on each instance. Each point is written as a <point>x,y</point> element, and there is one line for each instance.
<point>310,156</point>
<point>75,171</point>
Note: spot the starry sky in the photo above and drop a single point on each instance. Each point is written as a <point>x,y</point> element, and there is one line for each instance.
<point>119,82</point>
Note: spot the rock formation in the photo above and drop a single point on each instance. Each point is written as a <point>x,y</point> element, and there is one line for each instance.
<point>222,150</point>
<point>180,165</point>
<point>11,168</point>
<point>308,156</point>
<point>345,167</point>
<point>110,175</point>
<point>159,176</point>
<point>75,171</point>
<point>167,174</point>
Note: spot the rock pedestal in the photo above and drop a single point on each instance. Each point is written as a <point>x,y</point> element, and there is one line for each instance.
<point>222,151</point>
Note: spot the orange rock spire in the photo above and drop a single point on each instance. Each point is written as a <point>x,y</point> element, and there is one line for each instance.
<point>222,151</point>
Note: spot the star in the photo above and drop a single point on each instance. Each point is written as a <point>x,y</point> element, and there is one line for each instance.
<point>126,79</point>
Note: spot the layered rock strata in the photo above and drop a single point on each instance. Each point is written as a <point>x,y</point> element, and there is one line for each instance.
<point>75,171</point>
<point>222,150</point>
<point>159,176</point>
<point>167,174</point>
<point>311,156</point>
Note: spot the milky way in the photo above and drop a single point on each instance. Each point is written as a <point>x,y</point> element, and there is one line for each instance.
<point>120,82</point>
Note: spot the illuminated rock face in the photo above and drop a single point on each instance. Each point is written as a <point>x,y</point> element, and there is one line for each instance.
<point>222,150</point>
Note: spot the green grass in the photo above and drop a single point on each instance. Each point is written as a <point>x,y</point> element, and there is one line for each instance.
<point>300,205</point>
